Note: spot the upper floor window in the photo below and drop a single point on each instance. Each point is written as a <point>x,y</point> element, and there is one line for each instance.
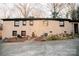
<point>31,22</point>
<point>24,23</point>
<point>16,23</point>
<point>61,23</point>
<point>45,22</point>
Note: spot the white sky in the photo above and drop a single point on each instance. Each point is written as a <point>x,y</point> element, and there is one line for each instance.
<point>39,1</point>
<point>38,7</point>
<point>42,6</point>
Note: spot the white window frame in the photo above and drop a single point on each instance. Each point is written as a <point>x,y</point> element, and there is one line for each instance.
<point>45,22</point>
<point>31,22</point>
<point>24,22</point>
<point>61,23</point>
<point>16,23</point>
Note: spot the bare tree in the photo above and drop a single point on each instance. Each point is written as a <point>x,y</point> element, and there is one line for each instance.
<point>55,8</point>
<point>75,14</point>
<point>6,12</point>
<point>70,6</point>
<point>70,9</point>
<point>38,10</point>
<point>24,9</point>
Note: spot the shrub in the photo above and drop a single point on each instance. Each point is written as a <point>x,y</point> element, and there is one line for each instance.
<point>19,36</point>
<point>33,35</point>
<point>53,37</point>
<point>59,37</point>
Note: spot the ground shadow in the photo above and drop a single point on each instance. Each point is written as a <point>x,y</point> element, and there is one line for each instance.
<point>1,47</point>
<point>77,48</point>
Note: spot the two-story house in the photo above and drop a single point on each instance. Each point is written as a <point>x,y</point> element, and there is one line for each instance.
<point>39,26</point>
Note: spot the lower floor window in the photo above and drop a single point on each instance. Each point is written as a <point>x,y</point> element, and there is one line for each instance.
<point>45,34</point>
<point>50,31</point>
<point>23,33</point>
<point>14,33</point>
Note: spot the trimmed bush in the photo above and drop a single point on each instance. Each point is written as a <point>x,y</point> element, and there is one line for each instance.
<point>53,37</point>
<point>59,37</point>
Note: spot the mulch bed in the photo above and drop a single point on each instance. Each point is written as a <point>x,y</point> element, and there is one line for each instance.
<point>40,39</point>
<point>15,39</point>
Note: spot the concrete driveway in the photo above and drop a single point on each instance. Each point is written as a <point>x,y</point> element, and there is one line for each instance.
<point>37,48</point>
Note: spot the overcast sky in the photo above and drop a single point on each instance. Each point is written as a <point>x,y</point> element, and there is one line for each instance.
<point>38,8</point>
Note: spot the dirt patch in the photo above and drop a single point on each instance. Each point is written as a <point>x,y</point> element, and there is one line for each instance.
<point>15,39</point>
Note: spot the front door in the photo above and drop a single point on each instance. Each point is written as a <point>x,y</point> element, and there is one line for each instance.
<point>76,28</point>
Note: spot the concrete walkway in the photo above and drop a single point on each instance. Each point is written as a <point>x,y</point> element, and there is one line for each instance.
<point>37,48</point>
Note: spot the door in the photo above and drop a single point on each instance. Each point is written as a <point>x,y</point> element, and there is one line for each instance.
<point>76,28</point>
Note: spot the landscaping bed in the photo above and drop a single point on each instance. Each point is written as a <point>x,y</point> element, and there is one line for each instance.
<point>41,38</point>
<point>15,39</point>
<point>60,37</point>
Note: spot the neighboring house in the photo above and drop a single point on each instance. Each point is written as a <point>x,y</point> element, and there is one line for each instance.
<point>38,26</point>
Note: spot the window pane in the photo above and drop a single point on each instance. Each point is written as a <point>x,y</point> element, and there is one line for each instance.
<point>50,31</point>
<point>45,22</point>
<point>23,33</point>
<point>24,22</point>
<point>16,23</point>
<point>45,34</point>
<point>61,23</point>
<point>1,26</point>
<point>14,33</point>
<point>31,22</point>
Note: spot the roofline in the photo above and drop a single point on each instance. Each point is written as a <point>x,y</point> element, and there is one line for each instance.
<point>74,21</point>
<point>16,19</point>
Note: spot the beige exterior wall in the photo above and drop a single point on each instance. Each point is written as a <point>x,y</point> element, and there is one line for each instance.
<point>38,27</point>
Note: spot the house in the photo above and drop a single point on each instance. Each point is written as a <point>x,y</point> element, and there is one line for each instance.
<point>38,26</point>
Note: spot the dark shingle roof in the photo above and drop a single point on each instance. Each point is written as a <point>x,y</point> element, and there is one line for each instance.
<point>57,19</point>
<point>74,21</point>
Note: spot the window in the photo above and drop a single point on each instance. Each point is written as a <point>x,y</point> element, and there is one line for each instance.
<point>1,27</point>
<point>24,23</point>
<point>61,23</point>
<point>45,22</point>
<point>23,33</point>
<point>65,32</point>
<point>50,31</point>
<point>14,33</point>
<point>16,23</point>
<point>45,34</point>
<point>31,23</point>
